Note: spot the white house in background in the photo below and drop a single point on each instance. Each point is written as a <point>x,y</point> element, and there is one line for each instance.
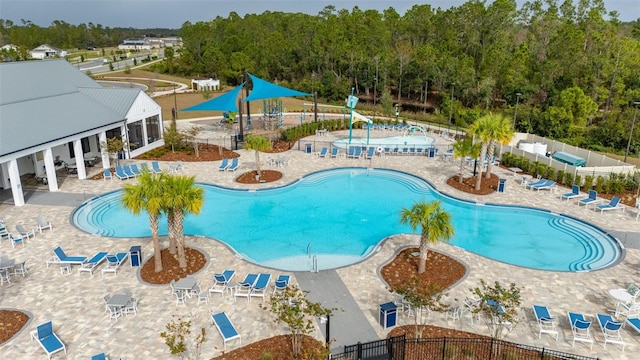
<point>45,51</point>
<point>51,114</point>
<point>206,84</point>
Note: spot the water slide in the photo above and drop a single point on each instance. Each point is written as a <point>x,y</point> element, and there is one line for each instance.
<point>361,117</point>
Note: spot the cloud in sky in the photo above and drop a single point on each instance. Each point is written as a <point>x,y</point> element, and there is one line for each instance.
<point>173,13</point>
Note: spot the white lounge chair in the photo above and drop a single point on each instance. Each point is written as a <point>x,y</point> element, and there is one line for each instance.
<point>43,223</point>
<point>114,262</point>
<point>24,232</point>
<point>92,264</point>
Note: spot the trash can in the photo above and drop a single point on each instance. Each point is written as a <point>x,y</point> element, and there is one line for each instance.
<point>308,148</point>
<point>388,315</point>
<point>501,185</point>
<point>135,256</point>
<point>432,152</point>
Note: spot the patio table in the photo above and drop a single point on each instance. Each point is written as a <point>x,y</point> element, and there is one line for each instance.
<point>621,295</point>
<point>119,300</point>
<point>187,283</point>
<point>7,264</point>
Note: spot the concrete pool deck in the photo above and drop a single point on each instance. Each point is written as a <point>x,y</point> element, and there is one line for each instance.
<point>74,302</point>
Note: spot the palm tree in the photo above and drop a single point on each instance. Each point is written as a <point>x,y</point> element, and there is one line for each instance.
<point>463,148</point>
<point>181,197</point>
<point>435,223</point>
<point>146,195</point>
<point>257,143</point>
<point>501,132</point>
<point>480,129</point>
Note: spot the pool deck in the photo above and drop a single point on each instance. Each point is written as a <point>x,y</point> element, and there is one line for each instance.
<point>74,302</point>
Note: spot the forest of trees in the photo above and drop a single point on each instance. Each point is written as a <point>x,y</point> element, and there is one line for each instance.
<point>572,68</point>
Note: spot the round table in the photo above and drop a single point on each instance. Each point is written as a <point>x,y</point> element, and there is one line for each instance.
<point>621,295</point>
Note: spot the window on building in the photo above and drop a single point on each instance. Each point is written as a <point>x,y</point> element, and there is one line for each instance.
<point>72,153</point>
<point>136,139</point>
<point>153,129</point>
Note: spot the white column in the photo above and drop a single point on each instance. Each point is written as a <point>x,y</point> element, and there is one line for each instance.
<point>50,169</point>
<point>77,150</point>
<point>16,186</point>
<point>145,138</point>
<point>124,130</point>
<point>105,155</point>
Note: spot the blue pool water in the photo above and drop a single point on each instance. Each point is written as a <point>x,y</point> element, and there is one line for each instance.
<point>337,217</point>
<point>413,141</point>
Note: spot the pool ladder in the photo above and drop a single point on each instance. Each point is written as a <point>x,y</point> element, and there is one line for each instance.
<point>314,263</point>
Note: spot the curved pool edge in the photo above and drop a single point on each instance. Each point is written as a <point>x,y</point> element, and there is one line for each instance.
<point>621,254</point>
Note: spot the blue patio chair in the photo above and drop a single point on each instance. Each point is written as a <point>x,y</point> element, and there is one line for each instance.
<point>575,192</point>
<point>323,152</point>
<point>120,174</point>
<point>225,328</point>
<point>370,152</point>
<point>610,330</point>
<point>334,152</point>
<point>127,170</point>
<point>221,281</point>
<point>49,341</point>
<point>545,321</point>
<point>223,165</point>
<point>282,281</point>
<point>580,329</point>
<point>614,204</point>
<point>592,198</point>
<point>106,174</point>
<point>261,285</point>
<point>135,170</point>
<point>234,165</point>
<point>156,167</point>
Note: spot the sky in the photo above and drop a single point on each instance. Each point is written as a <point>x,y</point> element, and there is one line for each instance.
<point>173,13</point>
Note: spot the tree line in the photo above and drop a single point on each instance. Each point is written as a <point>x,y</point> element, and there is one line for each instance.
<point>565,69</point>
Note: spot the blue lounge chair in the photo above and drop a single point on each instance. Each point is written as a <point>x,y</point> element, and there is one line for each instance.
<point>334,152</point>
<point>135,170</point>
<point>282,281</point>
<point>145,168</point>
<point>635,323</point>
<point>156,167</point>
<point>545,321</point>
<point>114,262</point>
<point>127,170</point>
<point>370,152</point>
<point>234,165</point>
<point>592,198</point>
<point>610,330</point>
<point>351,152</point>
<point>220,281</point>
<point>243,289</point>
<point>92,264</point>
<point>323,152</point>
<point>405,150</point>
<point>120,173</point>
<point>575,192</point>
<point>224,164</point>
<point>225,328</point>
<point>49,341</point>
<point>612,205</point>
<point>106,174</point>
<point>535,183</point>
<point>357,153</point>
<point>62,258</point>
<point>100,356</point>
<point>580,329</point>
<point>261,285</point>
<point>546,185</point>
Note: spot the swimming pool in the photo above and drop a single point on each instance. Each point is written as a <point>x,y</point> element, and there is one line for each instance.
<point>412,141</point>
<point>337,217</point>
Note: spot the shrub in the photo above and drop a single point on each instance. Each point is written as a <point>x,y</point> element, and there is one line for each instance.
<point>568,179</point>
<point>577,180</point>
<point>600,184</point>
<point>559,176</point>
<point>588,183</point>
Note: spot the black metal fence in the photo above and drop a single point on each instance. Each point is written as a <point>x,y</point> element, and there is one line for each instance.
<point>400,348</point>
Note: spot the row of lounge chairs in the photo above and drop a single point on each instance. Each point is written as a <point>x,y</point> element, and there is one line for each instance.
<point>229,166</point>
<point>89,264</point>
<point>581,326</point>
<point>592,199</point>
<point>124,172</point>
<point>23,233</point>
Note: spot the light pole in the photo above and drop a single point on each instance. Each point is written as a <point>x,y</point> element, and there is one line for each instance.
<point>635,112</point>
<point>451,105</point>
<point>175,102</point>
<point>515,113</point>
